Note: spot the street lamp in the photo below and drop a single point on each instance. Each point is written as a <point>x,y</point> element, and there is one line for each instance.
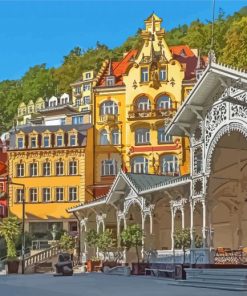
<point>23,227</point>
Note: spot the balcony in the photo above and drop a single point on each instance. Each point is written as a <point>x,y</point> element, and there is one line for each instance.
<point>152,114</point>
<point>108,119</point>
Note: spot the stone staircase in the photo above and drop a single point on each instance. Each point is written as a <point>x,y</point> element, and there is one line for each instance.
<point>224,279</point>
<point>35,262</point>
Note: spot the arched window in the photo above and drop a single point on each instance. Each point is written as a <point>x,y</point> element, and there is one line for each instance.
<point>103,138</point>
<point>164,102</point>
<point>142,136</point>
<point>139,165</point>
<point>115,137</point>
<point>169,165</point>
<point>108,167</point>
<point>108,107</point>
<point>163,137</point>
<point>143,104</point>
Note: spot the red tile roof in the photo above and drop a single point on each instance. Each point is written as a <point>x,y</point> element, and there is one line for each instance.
<point>118,69</point>
<point>184,55</point>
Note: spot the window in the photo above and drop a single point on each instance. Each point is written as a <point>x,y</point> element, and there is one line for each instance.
<point>77,119</point>
<point>72,194</point>
<point>86,100</point>
<point>59,168</point>
<point>46,141</point>
<point>19,195</point>
<point>88,75</point>
<point>103,138</point>
<point>78,102</point>
<point>62,121</point>
<point>59,141</point>
<point>115,137</point>
<point>108,107</point>
<point>33,169</point>
<point>143,104</point>
<point>72,140</point>
<point>33,195</point>
<point>59,194</point>
<point>108,167</point>
<point>162,74</point>
<point>72,167</point>
<point>33,142</point>
<point>110,80</point>
<point>144,74</point>
<point>20,143</point>
<point>163,137</point>
<point>142,136</point>
<point>164,102</point>
<point>169,165</point>
<point>86,86</point>
<point>46,169</point>
<point>77,90</point>
<point>139,165</point>
<point>20,170</point>
<point>46,193</point>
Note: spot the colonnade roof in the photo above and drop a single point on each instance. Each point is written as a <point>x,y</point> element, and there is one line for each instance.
<point>215,79</point>
<point>141,184</point>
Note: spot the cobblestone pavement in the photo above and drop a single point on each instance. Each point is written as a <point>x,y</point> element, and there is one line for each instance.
<point>96,284</point>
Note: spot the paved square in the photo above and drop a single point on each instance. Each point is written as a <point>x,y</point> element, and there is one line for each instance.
<point>96,284</point>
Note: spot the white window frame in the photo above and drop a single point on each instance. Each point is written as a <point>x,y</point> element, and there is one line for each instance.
<point>144,74</point>
<point>59,194</point>
<point>86,100</point>
<point>46,194</point>
<point>115,137</point>
<point>108,107</point>
<point>139,165</point>
<point>58,137</point>
<point>46,169</point>
<point>44,141</point>
<point>20,170</point>
<point>164,102</point>
<point>33,195</point>
<point>169,165</point>
<point>163,137</point>
<point>59,168</point>
<point>143,104</point>
<point>73,194</point>
<point>73,168</point>
<point>33,169</point>
<point>163,74</point>
<point>75,140</point>
<point>110,81</point>
<point>86,86</point>
<point>108,167</point>
<point>33,140</point>
<point>20,140</point>
<point>142,136</point>
<point>19,195</point>
<point>104,137</point>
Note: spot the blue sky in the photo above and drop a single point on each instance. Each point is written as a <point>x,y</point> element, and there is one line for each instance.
<point>35,32</point>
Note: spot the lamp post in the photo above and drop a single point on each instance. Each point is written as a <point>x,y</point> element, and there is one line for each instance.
<point>23,227</point>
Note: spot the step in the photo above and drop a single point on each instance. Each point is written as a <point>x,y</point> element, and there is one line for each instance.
<point>208,286</point>
<point>219,277</point>
<point>217,281</point>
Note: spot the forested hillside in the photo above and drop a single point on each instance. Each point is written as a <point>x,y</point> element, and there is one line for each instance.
<point>230,45</point>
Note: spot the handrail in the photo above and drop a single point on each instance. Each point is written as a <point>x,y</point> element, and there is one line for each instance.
<point>41,256</point>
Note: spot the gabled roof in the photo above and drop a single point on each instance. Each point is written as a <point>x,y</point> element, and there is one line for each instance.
<point>117,69</point>
<point>139,183</point>
<point>202,96</point>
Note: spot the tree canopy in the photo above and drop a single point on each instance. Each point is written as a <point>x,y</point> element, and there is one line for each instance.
<point>230,45</point>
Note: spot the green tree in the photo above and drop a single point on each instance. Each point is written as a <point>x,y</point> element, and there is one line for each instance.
<point>66,242</point>
<point>9,230</point>
<point>235,51</point>
<point>182,240</point>
<point>105,241</point>
<point>132,237</point>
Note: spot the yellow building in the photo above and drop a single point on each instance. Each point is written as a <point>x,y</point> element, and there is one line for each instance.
<point>133,99</point>
<point>82,95</point>
<point>50,162</point>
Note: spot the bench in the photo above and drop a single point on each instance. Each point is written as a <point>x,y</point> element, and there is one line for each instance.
<point>157,271</point>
